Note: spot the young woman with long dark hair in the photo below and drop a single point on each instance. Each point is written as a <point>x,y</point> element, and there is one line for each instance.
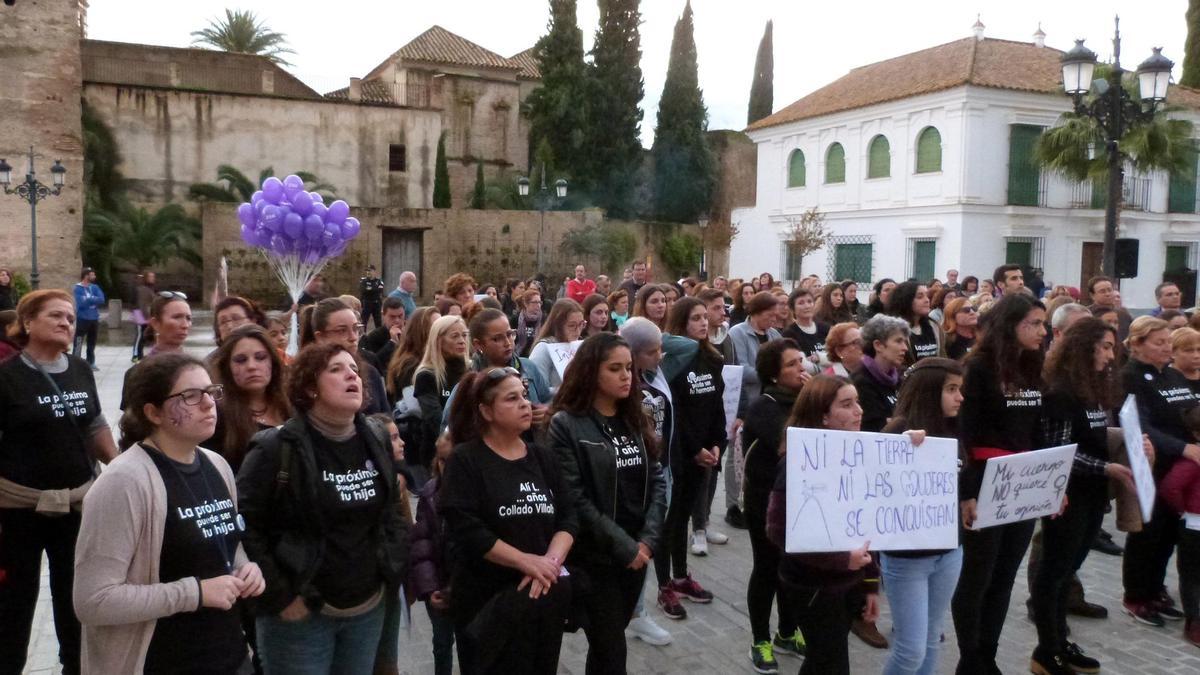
<point>1001,415</point>
<point>511,523</point>
<point>597,315</point>
<point>603,441</point>
<point>880,293</point>
<point>910,301</point>
<point>741,297</point>
<point>250,369</point>
<point>651,303</point>
<point>831,306</point>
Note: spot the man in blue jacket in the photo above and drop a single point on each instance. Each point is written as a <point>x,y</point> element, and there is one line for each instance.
<point>88,301</point>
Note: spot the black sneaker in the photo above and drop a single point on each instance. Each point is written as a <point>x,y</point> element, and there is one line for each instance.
<point>735,518</point>
<point>793,644</point>
<point>1166,607</point>
<point>668,602</point>
<point>1043,663</point>
<point>1144,612</point>
<point>1080,662</point>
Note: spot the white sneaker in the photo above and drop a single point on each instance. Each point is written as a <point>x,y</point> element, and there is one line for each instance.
<point>643,628</point>
<point>699,543</point>
<point>714,537</point>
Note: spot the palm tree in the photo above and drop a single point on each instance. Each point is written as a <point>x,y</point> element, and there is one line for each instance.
<point>103,183</point>
<point>242,32</point>
<point>133,239</point>
<point>233,186</point>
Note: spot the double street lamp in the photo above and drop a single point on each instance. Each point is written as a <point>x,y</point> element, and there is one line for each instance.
<point>544,200</point>
<point>33,191</point>
<point>1115,112</point>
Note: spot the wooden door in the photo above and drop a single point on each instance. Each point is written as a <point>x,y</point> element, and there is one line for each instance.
<point>1089,266</point>
<point>402,252</point>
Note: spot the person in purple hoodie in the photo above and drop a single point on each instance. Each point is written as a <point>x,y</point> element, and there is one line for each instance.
<point>428,574</point>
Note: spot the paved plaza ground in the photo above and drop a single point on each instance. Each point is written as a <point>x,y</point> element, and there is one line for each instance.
<point>715,637</point>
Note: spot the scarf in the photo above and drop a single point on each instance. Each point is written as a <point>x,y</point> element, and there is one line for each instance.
<point>891,377</point>
<point>333,430</point>
<point>523,321</point>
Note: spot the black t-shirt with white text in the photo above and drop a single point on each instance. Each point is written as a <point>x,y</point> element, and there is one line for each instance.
<point>350,492</point>
<point>810,343</point>
<point>200,537</point>
<point>631,475</point>
<point>923,344</point>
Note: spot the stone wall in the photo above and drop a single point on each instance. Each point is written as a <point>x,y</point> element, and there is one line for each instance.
<point>39,106</point>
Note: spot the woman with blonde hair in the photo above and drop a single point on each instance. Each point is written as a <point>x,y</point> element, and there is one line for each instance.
<point>442,366</point>
<point>1185,355</point>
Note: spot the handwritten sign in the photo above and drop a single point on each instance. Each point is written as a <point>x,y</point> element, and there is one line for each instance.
<point>1024,486</point>
<point>845,488</point>
<point>1143,477</point>
<point>562,353</point>
<point>732,375</point>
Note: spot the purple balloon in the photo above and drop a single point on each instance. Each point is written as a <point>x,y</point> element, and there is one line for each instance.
<point>249,236</point>
<point>313,228</point>
<point>338,212</point>
<point>350,228</point>
<point>337,250</point>
<point>262,237</point>
<point>281,245</point>
<point>292,184</point>
<point>293,226</point>
<point>320,210</point>
<point>317,199</point>
<point>331,239</point>
<point>256,197</point>
<point>302,204</point>
<point>246,214</point>
<point>260,205</point>
<point>271,218</point>
<point>312,257</point>
<point>272,189</point>
<point>284,210</point>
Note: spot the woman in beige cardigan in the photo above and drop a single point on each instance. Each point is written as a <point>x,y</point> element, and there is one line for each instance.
<point>159,565</point>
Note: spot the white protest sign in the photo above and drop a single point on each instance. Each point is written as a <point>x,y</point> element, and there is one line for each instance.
<point>845,488</point>
<point>1143,477</point>
<point>562,353</point>
<point>732,375</point>
<point>1023,486</point>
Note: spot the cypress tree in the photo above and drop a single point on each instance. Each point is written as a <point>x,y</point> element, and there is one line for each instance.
<point>1191,48</point>
<point>477,196</point>
<point>557,109</point>
<point>684,170</point>
<point>441,176</point>
<point>613,145</point>
<point>762,90</point>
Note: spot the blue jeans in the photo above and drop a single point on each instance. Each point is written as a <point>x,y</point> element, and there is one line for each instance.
<point>320,645</point>
<point>919,592</point>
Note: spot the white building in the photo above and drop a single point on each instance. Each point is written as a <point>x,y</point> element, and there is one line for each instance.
<point>921,163</point>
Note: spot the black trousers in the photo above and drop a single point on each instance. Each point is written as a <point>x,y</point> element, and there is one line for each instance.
<point>1066,541</point>
<point>372,310</point>
<point>86,330</point>
<point>24,534</point>
<point>672,555</point>
<point>1147,553</point>
<point>764,575</point>
<point>514,633</point>
<point>1188,564</point>
<point>991,558</point>
<point>608,606</point>
<point>824,619</point>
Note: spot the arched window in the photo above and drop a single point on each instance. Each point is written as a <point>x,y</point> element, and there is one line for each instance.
<point>796,169</point>
<point>835,164</point>
<point>929,151</point>
<point>879,158</point>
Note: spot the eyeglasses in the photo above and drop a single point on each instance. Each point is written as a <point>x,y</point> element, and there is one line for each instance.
<point>505,337</point>
<point>193,396</point>
<point>356,330</point>
<point>233,321</point>
<point>852,343</point>
<point>172,294</point>
<point>574,325</point>
<point>501,373</point>
<point>967,309</point>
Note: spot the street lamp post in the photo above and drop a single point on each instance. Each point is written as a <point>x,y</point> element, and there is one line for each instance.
<point>33,191</point>
<point>1115,112</point>
<point>544,200</point>
<point>702,223</point>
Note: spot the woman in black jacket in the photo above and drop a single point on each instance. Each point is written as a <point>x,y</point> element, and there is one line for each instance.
<point>1163,394</point>
<point>1001,415</point>
<point>511,523</point>
<point>611,472</point>
<point>910,301</point>
<point>319,500</point>
<point>780,365</point>
<point>885,346</point>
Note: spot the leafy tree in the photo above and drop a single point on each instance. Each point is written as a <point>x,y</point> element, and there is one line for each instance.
<point>680,252</point>
<point>762,90</point>
<point>684,169</point>
<point>233,186</point>
<point>611,244</point>
<point>613,144</point>
<point>1191,48</point>
<point>479,194</point>
<point>806,234</point>
<point>557,109</point>
<point>133,239</point>
<point>241,31</point>
<point>441,176</point>
<point>104,186</point>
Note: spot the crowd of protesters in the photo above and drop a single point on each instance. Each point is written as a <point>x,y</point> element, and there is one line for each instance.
<point>518,457</point>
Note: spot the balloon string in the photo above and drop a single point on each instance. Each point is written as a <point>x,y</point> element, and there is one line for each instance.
<point>295,274</point>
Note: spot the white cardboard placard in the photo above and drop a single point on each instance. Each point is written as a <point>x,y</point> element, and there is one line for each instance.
<point>732,375</point>
<point>1023,486</point>
<point>1143,476</point>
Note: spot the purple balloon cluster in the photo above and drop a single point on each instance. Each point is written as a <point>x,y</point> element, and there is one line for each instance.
<point>284,220</point>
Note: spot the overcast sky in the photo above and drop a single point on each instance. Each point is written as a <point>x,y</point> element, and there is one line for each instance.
<point>815,43</point>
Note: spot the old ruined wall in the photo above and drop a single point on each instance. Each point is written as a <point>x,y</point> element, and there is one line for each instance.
<point>39,107</point>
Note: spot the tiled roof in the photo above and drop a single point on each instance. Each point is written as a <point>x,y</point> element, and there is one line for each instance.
<point>999,64</point>
<point>1185,97</point>
<point>373,91</point>
<point>528,63</point>
<point>438,45</point>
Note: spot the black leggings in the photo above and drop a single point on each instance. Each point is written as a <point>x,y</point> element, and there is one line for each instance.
<point>991,558</point>
<point>825,621</point>
<point>1067,540</point>
<point>672,558</point>
<point>608,604</point>
<point>764,576</point>
<point>1147,553</point>
<point>515,634</point>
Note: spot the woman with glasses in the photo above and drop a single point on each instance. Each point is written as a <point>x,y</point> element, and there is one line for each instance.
<point>319,499</point>
<point>959,327</point>
<point>442,366</point>
<point>159,566</point>
<point>529,319</point>
<point>333,321</point>
<point>563,326</point>
<point>604,444</point>
<point>493,342</point>
<point>232,313</point>
<point>844,347</point>
<point>511,522</point>
<point>52,432</point>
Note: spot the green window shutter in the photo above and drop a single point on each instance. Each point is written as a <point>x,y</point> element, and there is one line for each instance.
<point>852,261</point>
<point>791,262</point>
<point>796,169</point>
<point>1099,193</point>
<point>924,254</point>
<point>879,160</point>
<point>1177,259</point>
<point>835,164</point>
<point>1018,253</point>
<point>1024,177</point>
<point>929,151</point>
<point>1181,197</point>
